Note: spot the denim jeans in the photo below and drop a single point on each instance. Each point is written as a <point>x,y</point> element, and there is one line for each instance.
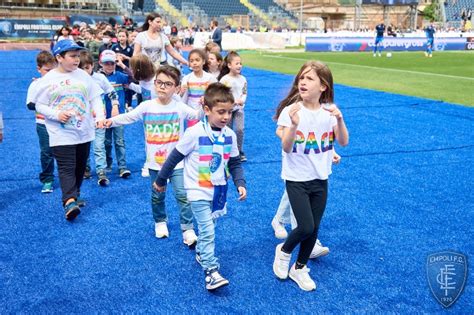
<point>284,212</point>
<point>158,200</point>
<point>206,241</point>
<point>119,144</point>
<point>46,156</point>
<point>99,151</point>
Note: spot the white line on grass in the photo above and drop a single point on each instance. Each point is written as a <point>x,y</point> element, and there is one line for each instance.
<point>377,68</point>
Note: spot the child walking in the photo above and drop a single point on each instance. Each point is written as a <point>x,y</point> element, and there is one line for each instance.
<point>195,83</point>
<point>210,152</point>
<point>309,129</point>
<point>45,62</point>
<point>119,80</point>
<point>231,76</point>
<point>213,64</point>
<point>67,98</point>
<point>163,119</point>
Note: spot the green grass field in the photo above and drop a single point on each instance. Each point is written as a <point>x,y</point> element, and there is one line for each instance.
<point>448,76</point>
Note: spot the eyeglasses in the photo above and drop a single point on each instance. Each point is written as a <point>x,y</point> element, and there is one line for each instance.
<point>166,84</point>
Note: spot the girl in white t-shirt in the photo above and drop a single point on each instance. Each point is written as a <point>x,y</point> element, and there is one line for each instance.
<point>309,130</point>
<point>195,83</point>
<point>231,76</point>
<point>214,63</point>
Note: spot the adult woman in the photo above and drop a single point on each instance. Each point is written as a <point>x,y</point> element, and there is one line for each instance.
<point>152,42</point>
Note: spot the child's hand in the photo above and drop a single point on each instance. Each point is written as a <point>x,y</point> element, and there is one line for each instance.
<point>295,118</point>
<point>242,193</point>
<point>106,123</point>
<point>159,188</point>
<point>115,109</point>
<point>99,124</point>
<point>64,116</point>
<point>333,110</point>
<point>183,90</point>
<point>336,158</point>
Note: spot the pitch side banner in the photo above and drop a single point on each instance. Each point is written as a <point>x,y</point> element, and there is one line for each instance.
<point>39,28</point>
<point>389,43</point>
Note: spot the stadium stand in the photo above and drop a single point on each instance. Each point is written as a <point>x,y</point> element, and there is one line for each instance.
<point>457,12</point>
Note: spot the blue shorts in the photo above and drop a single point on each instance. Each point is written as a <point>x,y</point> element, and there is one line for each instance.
<point>378,40</point>
<point>430,42</point>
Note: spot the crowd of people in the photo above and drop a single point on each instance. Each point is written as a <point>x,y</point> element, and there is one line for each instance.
<point>193,130</point>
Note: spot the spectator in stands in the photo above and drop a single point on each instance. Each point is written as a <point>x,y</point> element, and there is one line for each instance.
<point>151,42</point>
<point>391,31</point>
<point>216,36</point>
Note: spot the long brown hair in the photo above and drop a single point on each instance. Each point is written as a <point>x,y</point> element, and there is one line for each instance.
<point>142,67</point>
<point>150,17</point>
<point>225,65</point>
<point>324,74</point>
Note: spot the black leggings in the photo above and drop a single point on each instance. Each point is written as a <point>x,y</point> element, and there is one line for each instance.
<point>71,161</point>
<point>308,201</point>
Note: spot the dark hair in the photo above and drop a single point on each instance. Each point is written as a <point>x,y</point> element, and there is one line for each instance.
<point>123,30</point>
<point>149,17</point>
<point>218,57</point>
<point>45,57</point>
<point>217,93</point>
<point>142,67</point>
<point>85,58</point>
<point>324,74</point>
<point>108,33</point>
<point>214,22</point>
<point>171,72</point>
<point>199,52</point>
<point>225,66</point>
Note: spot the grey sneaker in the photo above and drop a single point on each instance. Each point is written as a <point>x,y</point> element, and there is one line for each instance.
<point>214,280</point>
<point>47,188</point>
<point>124,173</point>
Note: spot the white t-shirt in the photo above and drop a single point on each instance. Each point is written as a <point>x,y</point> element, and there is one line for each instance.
<point>197,147</point>
<point>145,88</point>
<point>311,157</point>
<point>71,91</point>
<point>238,86</point>
<point>152,47</point>
<point>163,125</point>
<point>103,82</point>
<point>195,88</point>
<point>31,96</point>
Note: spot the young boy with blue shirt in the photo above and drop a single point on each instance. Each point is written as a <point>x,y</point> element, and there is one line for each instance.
<point>210,153</point>
<point>119,81</point>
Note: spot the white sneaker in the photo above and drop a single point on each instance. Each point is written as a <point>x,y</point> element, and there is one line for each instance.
<point>375,55</point>
<point>189,238</point>
<point>302,278</point>
<point>161,230</point>
<point>281,263</point>
<point>319,250</point>
<point>280,231</point>
<point>145,172</point>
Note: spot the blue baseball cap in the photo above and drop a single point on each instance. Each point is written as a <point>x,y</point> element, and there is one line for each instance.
<point>65,45</point>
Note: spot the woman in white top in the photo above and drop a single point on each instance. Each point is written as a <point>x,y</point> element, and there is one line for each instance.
<point>152,41</point>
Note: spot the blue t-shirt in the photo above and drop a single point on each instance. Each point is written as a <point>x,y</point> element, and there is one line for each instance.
<point>380,29</point>
<point>118,80</point>
<point>430,30</point>
<point>127,51</point>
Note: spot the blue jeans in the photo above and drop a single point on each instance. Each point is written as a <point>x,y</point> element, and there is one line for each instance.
<point>46,156</point>
<point>119,143</point>
<point>158,200</point>
<point>99,151</point>
<point>206,241</point>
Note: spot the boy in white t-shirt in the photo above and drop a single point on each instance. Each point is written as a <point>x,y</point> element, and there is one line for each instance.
<point>45,62</point>
<point>210,153</point>
<point>66,99</point>
<point>163,119</point>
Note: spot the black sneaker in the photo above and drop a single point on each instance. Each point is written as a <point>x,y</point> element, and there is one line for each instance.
<point>71,211</point>
<point>87,174</point>
<point>214,280</point>
<point>103,180</point>
<point>124,173</point>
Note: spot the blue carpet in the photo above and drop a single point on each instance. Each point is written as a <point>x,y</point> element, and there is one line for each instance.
<point>402,191</point>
